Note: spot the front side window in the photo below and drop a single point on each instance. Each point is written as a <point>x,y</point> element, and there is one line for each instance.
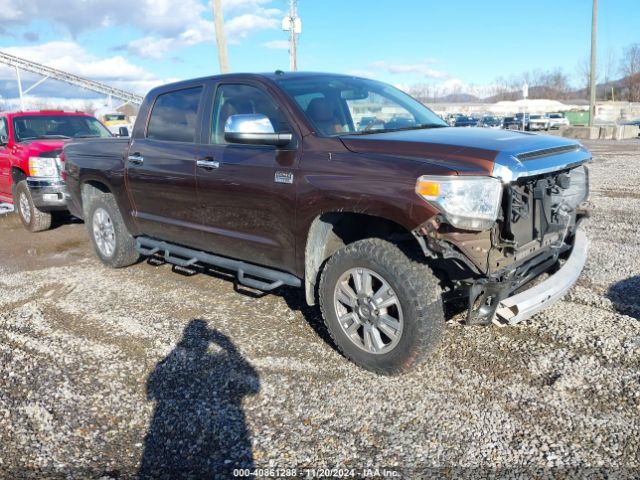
<point>235,99</point>
<point>342,105</point>
<point>32,127</point>
<point>4,135</point>
<point>174,116</point>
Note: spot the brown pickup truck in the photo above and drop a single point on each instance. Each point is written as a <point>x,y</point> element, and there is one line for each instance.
<point>348,188</point>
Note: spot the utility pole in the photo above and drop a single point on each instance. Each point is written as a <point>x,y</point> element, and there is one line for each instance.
<point>592,73</point>
<point>218,20</point>
<point>293,25</point>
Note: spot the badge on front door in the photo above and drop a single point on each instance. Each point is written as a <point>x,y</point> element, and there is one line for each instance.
<point>283,177</point>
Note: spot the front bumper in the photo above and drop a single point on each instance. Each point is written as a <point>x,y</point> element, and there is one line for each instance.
<point>48,194</point>
<point>538,126</point>
<point>525,304</point>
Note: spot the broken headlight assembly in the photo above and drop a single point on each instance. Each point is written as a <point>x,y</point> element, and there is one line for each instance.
<point>470,203</point>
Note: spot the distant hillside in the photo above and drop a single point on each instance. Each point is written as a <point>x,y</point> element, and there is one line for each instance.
<point>460,98</point>
<point>603,91</point>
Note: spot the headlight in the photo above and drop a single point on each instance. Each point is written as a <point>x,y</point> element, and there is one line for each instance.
<point>43,167</point>
<point>470,203</point>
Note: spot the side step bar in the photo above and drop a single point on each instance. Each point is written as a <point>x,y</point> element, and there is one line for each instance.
<point>265,278</point>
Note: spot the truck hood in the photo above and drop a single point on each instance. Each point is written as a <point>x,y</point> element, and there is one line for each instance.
<point>474,151</point>
<point>35,147</point>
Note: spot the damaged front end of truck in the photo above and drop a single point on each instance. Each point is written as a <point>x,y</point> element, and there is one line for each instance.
<point>497,239</point>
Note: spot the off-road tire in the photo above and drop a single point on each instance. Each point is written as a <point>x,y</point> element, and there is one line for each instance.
<point>34,220</point>
<point>417,290</point>
<point>124,251</point>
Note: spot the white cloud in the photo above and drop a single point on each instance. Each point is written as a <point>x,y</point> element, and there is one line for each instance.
<point>160,16</point>
<point>277,44</point>
<point>241,26</point>
<point>166,24</point>
<point>358,72</point>
<point>423,69</point>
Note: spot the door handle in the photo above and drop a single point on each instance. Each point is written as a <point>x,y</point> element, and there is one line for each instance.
<point>136,159</point>
<point>208,163</point>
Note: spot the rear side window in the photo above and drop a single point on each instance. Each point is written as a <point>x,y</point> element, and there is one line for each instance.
<point>174,116</point>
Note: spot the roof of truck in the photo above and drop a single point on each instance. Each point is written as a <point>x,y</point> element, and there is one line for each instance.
<point>32,113</point>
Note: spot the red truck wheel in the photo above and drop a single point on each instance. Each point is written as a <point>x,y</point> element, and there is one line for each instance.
<point>382,309</point>
<point>111,240</point>
<point>32,218</point>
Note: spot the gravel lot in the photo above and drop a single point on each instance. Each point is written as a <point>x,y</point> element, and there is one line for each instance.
<point>141,371</point>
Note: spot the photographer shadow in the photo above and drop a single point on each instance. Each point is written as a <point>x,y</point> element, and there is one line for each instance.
<point>198,428</point>
<point>625,297</point>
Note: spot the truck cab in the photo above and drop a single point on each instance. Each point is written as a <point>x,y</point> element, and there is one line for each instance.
<point>31,163</point>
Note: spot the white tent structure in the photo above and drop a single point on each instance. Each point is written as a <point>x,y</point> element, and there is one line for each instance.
<point>537,106</point>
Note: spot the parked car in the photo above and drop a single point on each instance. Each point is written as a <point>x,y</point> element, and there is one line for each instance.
<point>463,121</point>
<point>451,118</point>
<point>633,122</point>
<point>511,123</point>
<point>557,120</point>
<point>119,124</point>
<point>30,161</point>
<point>489,121</point>
<point>365,122</point>
<point>242,172</point>
<point>538,122</point>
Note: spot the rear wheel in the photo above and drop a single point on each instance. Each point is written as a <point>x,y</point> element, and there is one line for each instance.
<point>32,218</point>
<point>382,309</point>
<point>113,243</point>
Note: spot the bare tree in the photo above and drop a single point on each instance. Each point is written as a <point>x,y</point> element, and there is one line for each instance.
<point>421,91</point>
<point>608,71</point>
<point>554,85</point>
<point>583,69</point>
<point>630,70</point>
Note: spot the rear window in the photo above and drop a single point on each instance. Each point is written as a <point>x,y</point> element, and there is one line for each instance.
<point>174,115</point>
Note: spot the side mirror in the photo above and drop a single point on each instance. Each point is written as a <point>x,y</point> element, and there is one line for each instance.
<point>3,140</point>
<point>254,129</point>
<point>123,132</point>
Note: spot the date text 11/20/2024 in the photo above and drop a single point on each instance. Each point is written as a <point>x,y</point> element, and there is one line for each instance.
<point>371,472</point>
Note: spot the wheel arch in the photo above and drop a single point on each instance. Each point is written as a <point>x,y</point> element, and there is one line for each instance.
<point>91,188</point>
<point>17,175</point>
<point>333,230</point>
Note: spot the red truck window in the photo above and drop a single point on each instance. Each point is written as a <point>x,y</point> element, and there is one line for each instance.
<point>4,135</point>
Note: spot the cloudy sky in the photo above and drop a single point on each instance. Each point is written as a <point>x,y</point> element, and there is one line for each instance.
<point>140,43</point>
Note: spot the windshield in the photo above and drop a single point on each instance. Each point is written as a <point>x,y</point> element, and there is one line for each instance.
<point>57,126</point>
<point>114,117</point>
<point>342,105</point>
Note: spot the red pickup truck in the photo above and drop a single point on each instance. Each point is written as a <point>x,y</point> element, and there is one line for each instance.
<point>31,164</point>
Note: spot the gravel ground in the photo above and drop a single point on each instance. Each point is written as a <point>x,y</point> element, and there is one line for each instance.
<point>117,373</point>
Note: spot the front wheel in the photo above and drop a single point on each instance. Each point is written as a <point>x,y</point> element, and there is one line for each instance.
<point>33,219</point>
<point>382,309</point>
<point>111,240</point>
